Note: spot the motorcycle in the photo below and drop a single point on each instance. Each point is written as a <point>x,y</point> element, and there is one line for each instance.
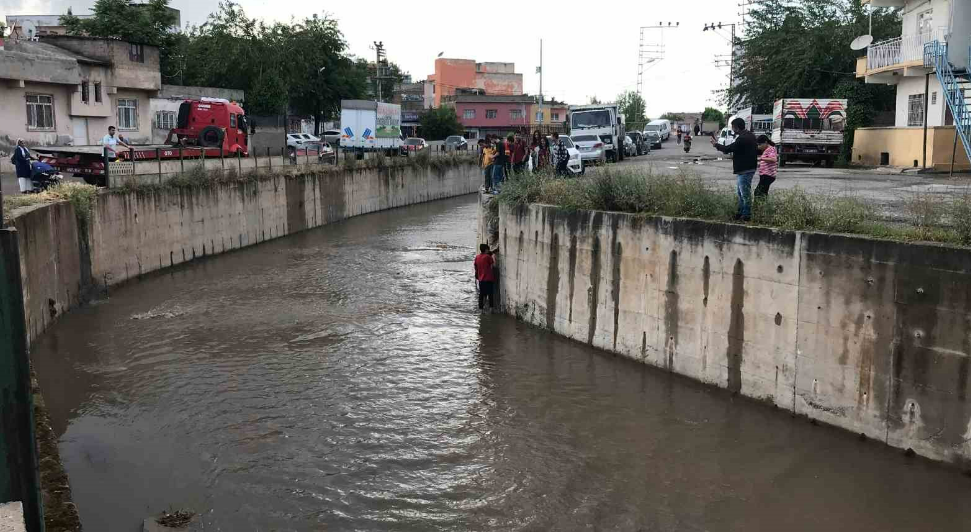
<point>687,144</point>
<point>44,176</point>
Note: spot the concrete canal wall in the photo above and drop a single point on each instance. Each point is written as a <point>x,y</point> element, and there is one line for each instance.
<point>867,335</point>
<point>133,233</point>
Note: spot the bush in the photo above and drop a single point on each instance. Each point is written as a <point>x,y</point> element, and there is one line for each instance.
<point>960,214</point>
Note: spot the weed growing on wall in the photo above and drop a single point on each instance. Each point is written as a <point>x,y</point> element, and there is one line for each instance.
<point>687,196</point>
<point>81,196</point>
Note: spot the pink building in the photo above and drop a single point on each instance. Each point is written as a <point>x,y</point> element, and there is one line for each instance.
<point>493,78</point>
<point>488,114</point>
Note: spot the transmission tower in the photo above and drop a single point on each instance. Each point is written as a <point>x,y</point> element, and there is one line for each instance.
<point>649,54</point>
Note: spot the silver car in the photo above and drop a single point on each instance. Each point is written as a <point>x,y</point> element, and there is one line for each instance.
<point>591,149</point>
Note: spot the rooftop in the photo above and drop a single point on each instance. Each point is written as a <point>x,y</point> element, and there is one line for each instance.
<point>494,98</point>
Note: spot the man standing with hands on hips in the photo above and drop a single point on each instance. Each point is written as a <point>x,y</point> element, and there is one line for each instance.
<point>744,164</point>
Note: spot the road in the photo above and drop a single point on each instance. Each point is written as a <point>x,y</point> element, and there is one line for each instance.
<point>885,186</point>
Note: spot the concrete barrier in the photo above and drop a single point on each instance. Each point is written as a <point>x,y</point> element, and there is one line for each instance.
<point>871,336</point>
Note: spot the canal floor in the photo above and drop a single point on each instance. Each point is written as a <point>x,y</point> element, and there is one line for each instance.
<point>342,379</point>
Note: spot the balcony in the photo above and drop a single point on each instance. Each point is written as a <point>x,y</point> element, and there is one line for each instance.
<point>900,53</point>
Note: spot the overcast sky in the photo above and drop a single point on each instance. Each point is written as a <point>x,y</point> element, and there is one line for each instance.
<point>589,50</point>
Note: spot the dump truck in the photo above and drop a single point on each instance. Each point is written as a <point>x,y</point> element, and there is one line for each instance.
<point>808,129</point>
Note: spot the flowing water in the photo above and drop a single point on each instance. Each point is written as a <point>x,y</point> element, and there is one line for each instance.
<point>341,379</point>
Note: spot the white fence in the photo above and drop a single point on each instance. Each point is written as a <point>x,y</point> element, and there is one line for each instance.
<point>906,49</point>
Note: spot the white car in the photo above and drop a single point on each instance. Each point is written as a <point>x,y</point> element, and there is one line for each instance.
<point>591,148</point>
<point>574,164</point>
<point>333,136</point>
<point>726,137</point>
<point>630,149</point>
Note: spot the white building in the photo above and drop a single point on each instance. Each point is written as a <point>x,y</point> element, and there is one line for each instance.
<point>900,62</point>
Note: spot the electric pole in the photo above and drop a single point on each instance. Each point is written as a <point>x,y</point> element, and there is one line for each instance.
<point>731,67</point>
<point>540,70</point>
<point>379,49</point>
<point>651,53</point>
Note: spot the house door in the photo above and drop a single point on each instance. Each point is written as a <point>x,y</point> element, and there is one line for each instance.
<point>80,131</point>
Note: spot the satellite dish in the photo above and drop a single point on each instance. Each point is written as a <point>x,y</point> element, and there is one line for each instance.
<point>28,30</point>
<point>861,42</point>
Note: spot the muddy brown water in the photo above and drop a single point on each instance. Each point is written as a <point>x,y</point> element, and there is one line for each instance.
<point>341,379</point>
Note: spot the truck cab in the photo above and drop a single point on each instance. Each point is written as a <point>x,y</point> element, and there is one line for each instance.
<point>604,121</point>
<point>211,123</point>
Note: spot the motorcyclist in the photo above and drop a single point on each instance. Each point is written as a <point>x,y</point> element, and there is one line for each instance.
<point>687,142</point>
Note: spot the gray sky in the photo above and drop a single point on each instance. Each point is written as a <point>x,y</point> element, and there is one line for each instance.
<point>586,51</point>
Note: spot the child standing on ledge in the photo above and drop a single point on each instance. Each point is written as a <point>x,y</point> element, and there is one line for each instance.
<point>485,275</point>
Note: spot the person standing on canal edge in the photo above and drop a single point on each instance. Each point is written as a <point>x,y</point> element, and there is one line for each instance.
<point>768,166</point>
<point>485,275</point>
<point>561,155</point>
<point>744,164</point>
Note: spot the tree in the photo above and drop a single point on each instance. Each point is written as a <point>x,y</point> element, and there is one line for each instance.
<point>594,100</point>
<point>711,114</point>
<point>632,106</point>
<point>438,123</point>
<point>674,117</point>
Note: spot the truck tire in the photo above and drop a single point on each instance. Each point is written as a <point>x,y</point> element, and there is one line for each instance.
<point>830,163</point>
<point>211,137</point>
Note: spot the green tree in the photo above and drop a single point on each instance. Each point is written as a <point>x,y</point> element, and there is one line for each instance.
<point>594,100</point>
<point>438,123</point>
<point>674,117</point>
<point>711,114</point>
<point>149,23</point>
<point>632,106</point>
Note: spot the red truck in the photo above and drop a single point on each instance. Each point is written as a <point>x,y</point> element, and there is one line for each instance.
<point>217,127</point>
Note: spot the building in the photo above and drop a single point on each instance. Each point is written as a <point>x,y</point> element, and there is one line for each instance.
<point>411,98</point>
<point>900,62</point>
<point>30,26</point>
<point>551,112</point>
<point>164,107</point>
<point>483,115</point>
<point>493,78</point>
<point>68,90</point>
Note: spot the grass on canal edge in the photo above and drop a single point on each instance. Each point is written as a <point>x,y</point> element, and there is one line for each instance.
<point>80,195</point>
<point>926,217</point>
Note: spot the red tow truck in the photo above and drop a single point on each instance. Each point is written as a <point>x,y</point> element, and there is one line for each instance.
<point>209,127</point>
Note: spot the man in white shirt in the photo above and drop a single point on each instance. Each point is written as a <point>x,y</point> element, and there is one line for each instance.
<point>110,143</point>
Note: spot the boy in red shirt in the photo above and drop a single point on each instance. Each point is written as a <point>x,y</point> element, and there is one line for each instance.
<point>485,275</point>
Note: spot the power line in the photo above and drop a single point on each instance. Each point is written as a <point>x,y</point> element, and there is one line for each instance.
<point>650,54</point>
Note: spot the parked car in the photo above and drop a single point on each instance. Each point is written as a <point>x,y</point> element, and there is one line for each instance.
<point>630,149</point>
<point>456,142</point>
<point>591,149</point>
<point>726,137</point>
<point>663,127</point>
<point>574,164</point>
<point>643,148</point>
<point>326,151</point>
<point>414,145</point>
<point>333,136</point>
<point>654,139</point>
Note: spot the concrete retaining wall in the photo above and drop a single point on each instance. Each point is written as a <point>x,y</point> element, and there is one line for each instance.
<point>867,335</point>
<point>130,234</point>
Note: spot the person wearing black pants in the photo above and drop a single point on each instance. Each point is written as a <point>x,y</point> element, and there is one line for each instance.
<point>485,275</point>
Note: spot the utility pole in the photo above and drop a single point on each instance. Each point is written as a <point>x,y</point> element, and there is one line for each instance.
<point>651,53</point>
<point>731,67</point>
<point>541,80</point>
<point>379,49</point>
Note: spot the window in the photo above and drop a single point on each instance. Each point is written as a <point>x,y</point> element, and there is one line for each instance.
<point>97,92</point>
<point>492,113</point>
<point>165,120</point>
<point>539,116</point>
<point>556,117</point>
<point>515,114</point>
<point>232,120</point>
<point>40,111</point>
<point>85,92</point>
<point>468,114</point>
<point>934,98</point>
<point>136,53</point>
<point>925,22</point>
<point>127,113</point>
<point>915,110</point>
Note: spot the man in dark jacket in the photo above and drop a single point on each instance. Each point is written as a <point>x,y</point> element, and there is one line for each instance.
<point>744,164</point>
<point>21,160</point>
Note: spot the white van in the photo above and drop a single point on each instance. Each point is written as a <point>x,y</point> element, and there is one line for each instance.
<point>726,137</point>
<point>663,127</point>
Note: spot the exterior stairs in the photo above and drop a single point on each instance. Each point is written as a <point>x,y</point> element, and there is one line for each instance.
<point>956,86</point>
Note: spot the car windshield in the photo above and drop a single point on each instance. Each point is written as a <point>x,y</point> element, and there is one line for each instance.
<point>453,139</point>
<point>567,142</point>
<point>587,119</point>
<point>413,142</point>
<point>652,127</point>
<point>585,138</point>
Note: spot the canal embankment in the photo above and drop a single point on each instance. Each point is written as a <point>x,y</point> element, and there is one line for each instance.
<point>864,334</point>
<point>65,253</point>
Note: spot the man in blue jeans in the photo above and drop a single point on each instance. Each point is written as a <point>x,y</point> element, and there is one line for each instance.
<point>744,164</point>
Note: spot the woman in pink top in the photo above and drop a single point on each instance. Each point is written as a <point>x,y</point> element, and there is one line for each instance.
<point>768,165</point>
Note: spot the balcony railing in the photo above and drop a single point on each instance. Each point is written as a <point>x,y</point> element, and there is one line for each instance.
<point>902,50</point>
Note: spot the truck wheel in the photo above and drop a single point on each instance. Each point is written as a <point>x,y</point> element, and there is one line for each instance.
<point>211,137</point>
<point>830,163</point>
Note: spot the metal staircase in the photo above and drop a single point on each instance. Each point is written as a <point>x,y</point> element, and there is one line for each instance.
<point>956,85</point>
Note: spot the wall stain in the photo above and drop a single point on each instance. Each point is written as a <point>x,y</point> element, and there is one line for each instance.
<point>615,285</point>
<point>671,301</point>
<point>573,271</point>
<point>594,294</point>
<point>553,281</point>
<point>736,329</point>
<point>706,278</point>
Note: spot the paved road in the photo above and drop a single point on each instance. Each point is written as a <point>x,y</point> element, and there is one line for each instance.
<point>885,186</point>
